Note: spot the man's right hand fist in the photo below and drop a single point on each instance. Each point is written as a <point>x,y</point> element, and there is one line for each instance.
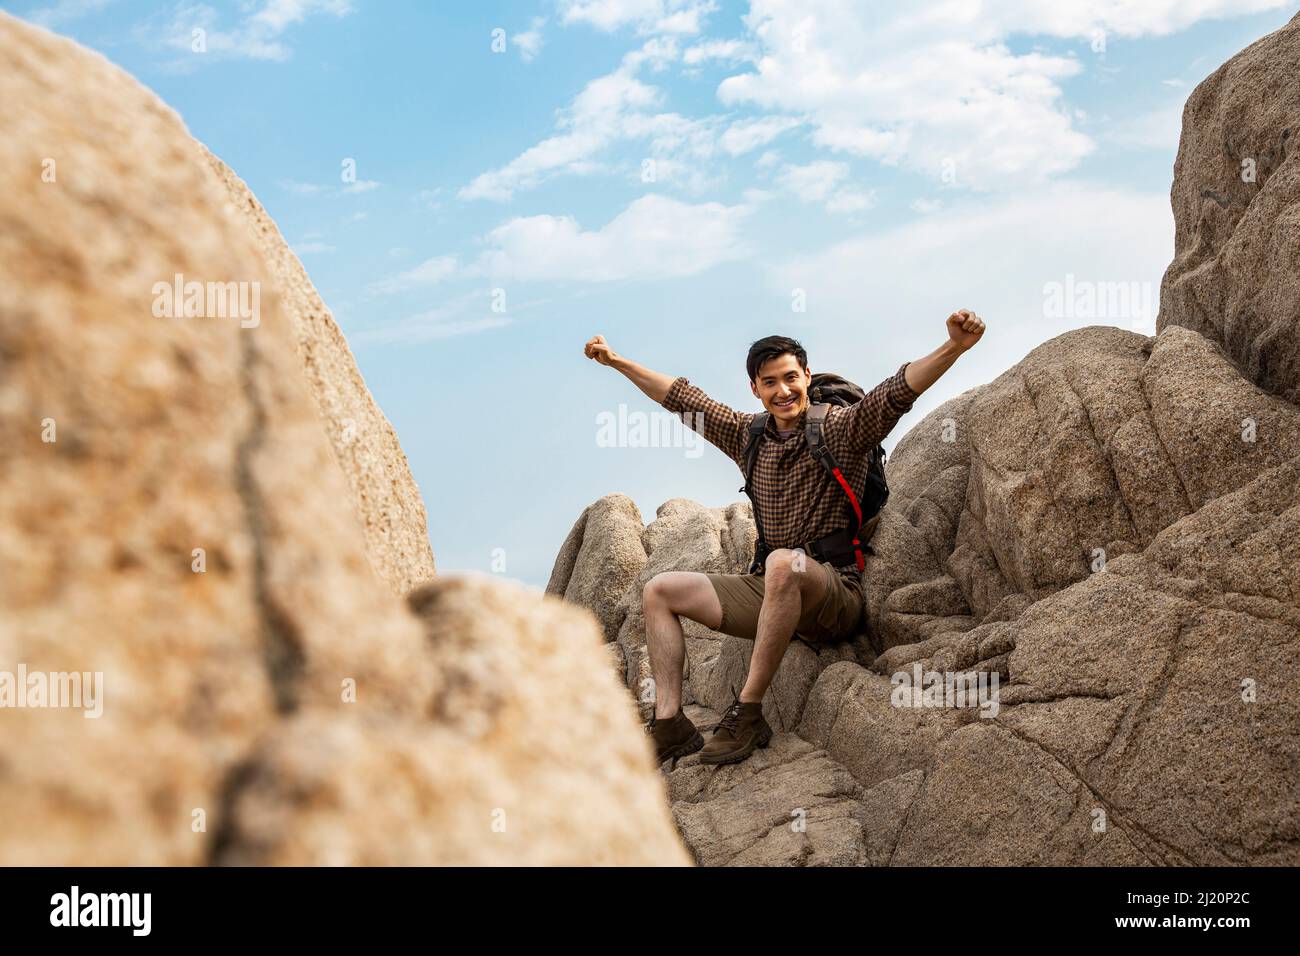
<point>596,348</point>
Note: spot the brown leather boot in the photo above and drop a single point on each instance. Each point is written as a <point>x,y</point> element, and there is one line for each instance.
<point>673,737</point>
<point>741,729</point>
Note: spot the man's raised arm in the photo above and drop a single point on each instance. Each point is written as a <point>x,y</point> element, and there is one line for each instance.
<point>720,425</point>
<point>655,384</point>
<point>868,422</point>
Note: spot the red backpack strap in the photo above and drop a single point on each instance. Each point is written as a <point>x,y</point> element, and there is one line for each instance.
<point>821,454</point>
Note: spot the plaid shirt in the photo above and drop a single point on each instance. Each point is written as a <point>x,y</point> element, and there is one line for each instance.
<point>798,500</point>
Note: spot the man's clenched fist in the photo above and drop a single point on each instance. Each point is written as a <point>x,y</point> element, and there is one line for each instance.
<point>965,328</point>
<point>596,348</point>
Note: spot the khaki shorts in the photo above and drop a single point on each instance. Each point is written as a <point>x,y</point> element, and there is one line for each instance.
<point>837,617</point>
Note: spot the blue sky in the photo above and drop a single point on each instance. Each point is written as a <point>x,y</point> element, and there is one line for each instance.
<point>675,175</point>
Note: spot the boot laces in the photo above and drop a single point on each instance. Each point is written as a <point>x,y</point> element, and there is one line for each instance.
<point>731,718</point>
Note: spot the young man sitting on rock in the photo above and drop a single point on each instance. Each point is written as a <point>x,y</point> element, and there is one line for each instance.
<point>797,502</point>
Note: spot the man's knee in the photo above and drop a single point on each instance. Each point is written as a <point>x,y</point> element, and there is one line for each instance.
<point>662,591</point>
<point>655,591</point>
<point>688,593</point>
<point>784,565</point>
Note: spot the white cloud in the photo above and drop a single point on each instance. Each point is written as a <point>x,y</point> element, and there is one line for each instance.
<point>654,237</point>
<point>612,109</point>
<point>258,35</point>
<point>648,16</point>
<point>427,273</point>
<point>1127,18</point>
<point>596,118</point>
<point>65,11</point>
<point>430,198</point>
<point>529,41</point>
<point>316,189</point>
<point>850,199</point>
<point>301,188</point>
<point>730,51</point>
<point>935,86</point>
<point>812,182</point>
<point>926,206</point>
<point>465,315</point>
<point>745,135</point>
<point>431,326</point>
<point>1156,129</point>
<point>821,182</point>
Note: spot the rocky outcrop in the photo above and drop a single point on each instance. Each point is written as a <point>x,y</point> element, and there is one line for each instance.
<point>174,517</point>
<point>1235,277</point>
<point>1110,529</point>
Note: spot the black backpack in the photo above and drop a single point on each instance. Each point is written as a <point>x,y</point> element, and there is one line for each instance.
<point>848,543</point>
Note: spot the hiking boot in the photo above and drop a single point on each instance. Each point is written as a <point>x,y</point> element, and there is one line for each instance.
<point>741,729</point>
<point>673,737</point>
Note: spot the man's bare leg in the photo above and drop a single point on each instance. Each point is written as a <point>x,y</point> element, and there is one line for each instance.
<point>666,595</point>
<point>792,581</point>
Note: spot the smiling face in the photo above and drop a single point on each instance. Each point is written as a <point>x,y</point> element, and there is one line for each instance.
<point>782,387</point>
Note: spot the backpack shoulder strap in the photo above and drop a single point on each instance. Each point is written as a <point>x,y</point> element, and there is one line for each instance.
<point>757,425</point>
<point>822,455</point>
<point>814,421</point>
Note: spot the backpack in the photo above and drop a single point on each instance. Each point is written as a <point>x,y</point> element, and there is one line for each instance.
<point>848,543</point>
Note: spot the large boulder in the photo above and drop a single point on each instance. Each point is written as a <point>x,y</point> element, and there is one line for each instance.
<point>1235,277</point>
<point>174,517</point>
<point>382,490</point>
<point>1085,450</point>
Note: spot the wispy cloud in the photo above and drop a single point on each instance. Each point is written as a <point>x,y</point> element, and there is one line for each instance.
<point>597,117</point>
<point>615,108</point>
<point>203,35</point>
<point>1159,128</point>
<point>655,237</point>
<point>65,11</point>
<point>823,181</point>
<point>647,16</point>
<point>467,314</point>
<point>749,134</point>
<point>529,42</point>
<point>309,248</point>
<point>299,188</point>
<point>427,273</point>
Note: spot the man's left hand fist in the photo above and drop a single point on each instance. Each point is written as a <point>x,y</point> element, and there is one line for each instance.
<point>965,328</point>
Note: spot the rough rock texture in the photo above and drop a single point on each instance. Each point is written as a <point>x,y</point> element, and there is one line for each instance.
<point>1111,529</point>
<point>384,493</point>
<point>1235,277</point>
<point>280,706</point>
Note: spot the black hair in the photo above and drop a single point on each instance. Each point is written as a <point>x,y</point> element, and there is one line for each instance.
<point>773,346</point>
